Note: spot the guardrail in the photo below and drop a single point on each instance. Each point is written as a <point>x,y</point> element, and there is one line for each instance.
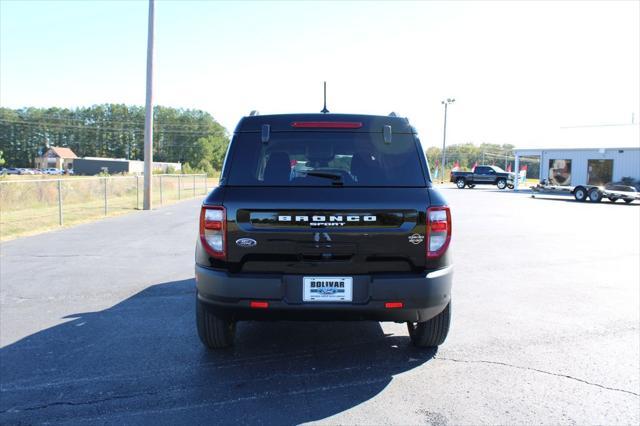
<point>29,205</point>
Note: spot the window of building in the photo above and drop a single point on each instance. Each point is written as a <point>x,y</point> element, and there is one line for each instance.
<point>560,172</point>
<point>600,172</point>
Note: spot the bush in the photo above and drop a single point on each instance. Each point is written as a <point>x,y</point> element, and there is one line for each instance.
<point>206,167</point>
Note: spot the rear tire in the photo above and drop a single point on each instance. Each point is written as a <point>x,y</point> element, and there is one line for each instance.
<point>580,193</point>
<point>460,183</point>
<point>433,332</point>
<point>215,332</point>
<point>595,196</point>
<point>502,183</point>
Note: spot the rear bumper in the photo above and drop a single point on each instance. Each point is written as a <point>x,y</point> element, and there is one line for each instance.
<point>423,296</point>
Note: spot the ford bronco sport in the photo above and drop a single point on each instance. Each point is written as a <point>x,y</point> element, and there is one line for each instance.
<point>324,217</point>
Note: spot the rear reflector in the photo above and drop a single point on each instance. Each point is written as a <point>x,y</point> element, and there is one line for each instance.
<point>259,305</point>
<point>326,124</point>
<point>393,305</point>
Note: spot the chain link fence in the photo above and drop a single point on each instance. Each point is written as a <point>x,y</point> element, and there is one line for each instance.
<point>34,205</point>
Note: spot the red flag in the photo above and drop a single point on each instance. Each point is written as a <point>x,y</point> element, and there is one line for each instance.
<point>509,167</point>
<point>456,165</point>
<point>524,167</point>
<point>474,166</point>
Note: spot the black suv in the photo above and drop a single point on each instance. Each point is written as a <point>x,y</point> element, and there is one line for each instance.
<point>324,217</point>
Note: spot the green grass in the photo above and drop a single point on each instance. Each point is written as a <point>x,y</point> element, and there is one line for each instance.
<point>28,208</point>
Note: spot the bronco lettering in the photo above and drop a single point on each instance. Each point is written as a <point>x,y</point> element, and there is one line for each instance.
<point>336,219</point>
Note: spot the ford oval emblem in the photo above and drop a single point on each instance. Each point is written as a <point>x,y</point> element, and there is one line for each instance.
<point>246,242</point>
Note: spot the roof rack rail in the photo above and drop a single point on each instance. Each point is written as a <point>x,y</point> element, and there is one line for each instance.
<point>393,114</point>
<point>253,113</point>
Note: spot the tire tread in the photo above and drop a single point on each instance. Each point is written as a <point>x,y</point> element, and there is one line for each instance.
<point>433,332</point>
<point>214,332</point>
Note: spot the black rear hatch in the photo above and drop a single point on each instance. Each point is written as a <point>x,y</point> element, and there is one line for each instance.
<point>303,200</point>
<point>327,230</point>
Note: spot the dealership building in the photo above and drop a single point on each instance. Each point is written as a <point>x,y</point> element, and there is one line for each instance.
<point>590,155</point>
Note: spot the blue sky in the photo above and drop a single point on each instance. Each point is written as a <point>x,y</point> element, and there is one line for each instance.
<point>518,70</point>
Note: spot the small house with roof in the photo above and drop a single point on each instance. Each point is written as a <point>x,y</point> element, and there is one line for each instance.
<point>57,158</point>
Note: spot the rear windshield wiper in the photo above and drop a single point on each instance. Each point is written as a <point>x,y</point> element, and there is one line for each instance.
<point>336,178</point>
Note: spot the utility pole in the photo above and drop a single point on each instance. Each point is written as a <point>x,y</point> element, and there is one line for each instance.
<point>148,118</point>
<point>444,137</point>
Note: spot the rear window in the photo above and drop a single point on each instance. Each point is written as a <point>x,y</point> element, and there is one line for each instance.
<point>325,159</point>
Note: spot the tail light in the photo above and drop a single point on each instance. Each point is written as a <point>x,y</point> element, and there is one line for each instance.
<point>438,231</point>
<point>213,231</point>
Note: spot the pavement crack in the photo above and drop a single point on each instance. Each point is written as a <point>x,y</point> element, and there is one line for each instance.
<point>75,403</point>
<point>550,373</point>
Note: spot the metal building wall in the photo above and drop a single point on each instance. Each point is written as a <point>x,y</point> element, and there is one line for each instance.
<point>86,166</point>
<point>136,166</point>
<point>626,162</point>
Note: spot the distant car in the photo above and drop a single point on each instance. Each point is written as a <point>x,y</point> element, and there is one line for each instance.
<point>484,175</point>
<point>13,171</point>
<point>52,171</point>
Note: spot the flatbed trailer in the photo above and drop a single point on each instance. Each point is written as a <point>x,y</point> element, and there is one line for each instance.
<point>591,193</point>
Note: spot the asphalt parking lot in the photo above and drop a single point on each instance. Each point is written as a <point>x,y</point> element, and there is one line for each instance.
<point>97,326</point>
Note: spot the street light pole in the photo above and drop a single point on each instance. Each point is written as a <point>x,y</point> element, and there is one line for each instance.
<point>444,137</point>
<point>148,118</point>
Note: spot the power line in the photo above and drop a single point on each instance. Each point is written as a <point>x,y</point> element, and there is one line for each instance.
<point>91,121</point>
<point>112,129</point>
<point>21,112</point>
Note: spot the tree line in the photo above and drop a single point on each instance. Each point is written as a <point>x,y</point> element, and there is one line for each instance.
<point>188,136</point>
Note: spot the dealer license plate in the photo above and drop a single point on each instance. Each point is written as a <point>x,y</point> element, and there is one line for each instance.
<point>327,289</point>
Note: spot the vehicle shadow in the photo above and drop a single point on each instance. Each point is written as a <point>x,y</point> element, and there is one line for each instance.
<point>140,361</point>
